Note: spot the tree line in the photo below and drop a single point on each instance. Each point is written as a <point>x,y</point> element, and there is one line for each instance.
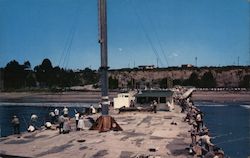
<point>20,76</point>
<point>46,76</point>
<point>207,80</point>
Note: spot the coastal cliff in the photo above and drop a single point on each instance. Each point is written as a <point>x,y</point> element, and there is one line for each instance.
<point>221,76</point>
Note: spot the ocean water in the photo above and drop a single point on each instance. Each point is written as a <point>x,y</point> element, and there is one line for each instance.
<point>24,113</point>
<point>230,125</point>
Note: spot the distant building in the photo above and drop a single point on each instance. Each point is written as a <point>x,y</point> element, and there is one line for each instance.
<point>164,98</point>
<point>147,67</point>
<point>187,66</point>
<point>123,99</point>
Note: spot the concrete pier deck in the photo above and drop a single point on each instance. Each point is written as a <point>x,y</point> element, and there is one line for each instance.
<point>144,134</point>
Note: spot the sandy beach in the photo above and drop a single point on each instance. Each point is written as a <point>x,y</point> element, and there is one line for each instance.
<point>222,96</point>
<point>94,97</point>
<point>63,97</point>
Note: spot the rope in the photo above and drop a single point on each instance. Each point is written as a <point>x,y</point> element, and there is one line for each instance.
<point>65,55</point>
<point>146,34</point>
<point>155,32</point>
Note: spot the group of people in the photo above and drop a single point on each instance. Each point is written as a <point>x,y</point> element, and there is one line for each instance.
<point>16,124</point>
<point>81,120</point>
<point>57,119</point>
<point>201,145</point>
<point>64,122</point>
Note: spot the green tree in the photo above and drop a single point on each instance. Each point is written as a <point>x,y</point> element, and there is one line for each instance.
<point>177,82</point>
<point>113,83</point>
<point>245,83</point>
<point>193,80</point>
<point>14,75</point>
<point>44,73</point>
<point>208,80</point>
<point>163,83</point>
<point>90,76</point>
<point>30,79</point>
<point>27,65</point>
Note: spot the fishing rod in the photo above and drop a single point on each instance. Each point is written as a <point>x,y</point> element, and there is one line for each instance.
<point>25,121</point>
<point>222,135</point>
<point>233,140</point>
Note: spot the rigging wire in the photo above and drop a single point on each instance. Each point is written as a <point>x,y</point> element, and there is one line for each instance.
<point>65,55</point>
<point>156,32</point>
<point>146,34</point>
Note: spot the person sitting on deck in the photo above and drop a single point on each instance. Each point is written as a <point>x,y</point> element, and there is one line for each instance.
<point>48,125</point>
<point>31,128</point>
<point>16,124</point>
<point>93,110</point>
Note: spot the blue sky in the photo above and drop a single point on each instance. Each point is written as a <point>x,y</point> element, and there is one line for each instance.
<point>140,32</point>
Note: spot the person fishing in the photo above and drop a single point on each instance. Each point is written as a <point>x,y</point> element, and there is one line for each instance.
<point>199,121</point>
<point>66,125</point>
<point>61,121</point>
<point>56,111</point>
<point>33,123</point>
<point>16,124</point>
<point>206,142</point>
<point>52,117</point>
<point>155,106</point>
<point>65,111</point>
<point>77,117</point>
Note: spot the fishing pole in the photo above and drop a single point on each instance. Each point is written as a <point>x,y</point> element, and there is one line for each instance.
<point>233,140</point>
<point>222,135</point>
<point>25,121</point>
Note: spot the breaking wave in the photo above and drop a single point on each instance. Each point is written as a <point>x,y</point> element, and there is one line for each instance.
<point>212,105</point>
<point>47,104</point>
<point>245,106</point>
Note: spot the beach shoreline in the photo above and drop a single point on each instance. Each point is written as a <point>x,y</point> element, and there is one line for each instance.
<point>221,96</point>
<point>95,97</point>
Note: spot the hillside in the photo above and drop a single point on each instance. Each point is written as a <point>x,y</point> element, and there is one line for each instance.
<point>223,76</point>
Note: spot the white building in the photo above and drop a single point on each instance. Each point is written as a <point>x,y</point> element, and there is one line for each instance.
<point>123,99</point>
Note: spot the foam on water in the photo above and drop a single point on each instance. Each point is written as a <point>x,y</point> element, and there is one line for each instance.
<point>212,105</point>
<point>246,106</point>
<point>49,104</point>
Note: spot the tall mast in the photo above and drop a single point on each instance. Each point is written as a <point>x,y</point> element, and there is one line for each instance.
<point>104,55</point>
<point>105,122</point>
